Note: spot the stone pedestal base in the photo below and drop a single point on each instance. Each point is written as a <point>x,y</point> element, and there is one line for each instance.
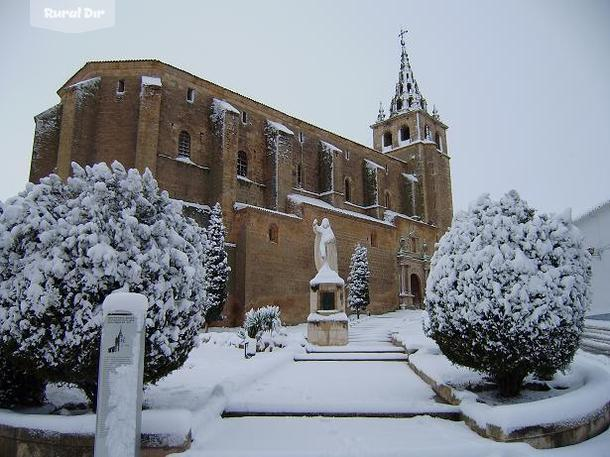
<point>328,330</point>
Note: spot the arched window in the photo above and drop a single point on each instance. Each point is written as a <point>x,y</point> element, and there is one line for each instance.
<point>374,239</point>
<point>387,139</point>
<point>348,190</point>
<point>437,140</point>
<point>409,87</point>
<point>398,104</point>
<point>242,164</point>
<point>410,101</point>
<point>405,133</point>
<point>184,144</point>
<point>273,233</point>
<point>388,199</point>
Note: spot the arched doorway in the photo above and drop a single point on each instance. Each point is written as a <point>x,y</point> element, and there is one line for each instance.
<point>416,290</point>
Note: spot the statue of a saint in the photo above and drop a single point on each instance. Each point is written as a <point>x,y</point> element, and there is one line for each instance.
<point>325,245</point>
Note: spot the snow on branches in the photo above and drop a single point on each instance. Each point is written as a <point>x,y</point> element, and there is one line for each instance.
<point>508,290</point>
<point>216,266</point>
<point>66,245</point>
<point>358,280</point>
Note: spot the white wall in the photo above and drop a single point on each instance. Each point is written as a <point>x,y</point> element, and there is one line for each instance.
<point>596,229</point>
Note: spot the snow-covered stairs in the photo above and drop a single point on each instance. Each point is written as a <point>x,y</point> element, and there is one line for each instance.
<point>356,380</point>
<point>369,339</point>
<point>596,337</point>
<point>352,357</point>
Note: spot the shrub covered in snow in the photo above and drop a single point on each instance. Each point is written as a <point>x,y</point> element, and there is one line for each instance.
<point>358,280</point>
<point>64,246</point>
<point>508,290</point>
<point>216,266</point>
<point>261,324</point>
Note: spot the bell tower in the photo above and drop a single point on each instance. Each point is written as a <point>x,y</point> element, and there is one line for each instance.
<point>410,133</point>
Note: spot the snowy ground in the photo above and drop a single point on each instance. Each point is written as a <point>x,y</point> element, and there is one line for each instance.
<point>218,378</point>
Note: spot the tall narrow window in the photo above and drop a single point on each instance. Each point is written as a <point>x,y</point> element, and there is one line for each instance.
<point>242,164</point>
<point>374,239</point>
<point>301,137</point>
<point>120,86</point>
<point>347,154</point>
<point>398,104</point>
<point>299,176</point>
<point>409,87</point>
<point>273,233</point>
<point>184,144</point>
<point>405,133</point>
<point>348,190</point>
<point>437,140</point>
<point>244,117</point>
<point>388,200</point>
<point>190,95</point>
<point>387,139</point>
<point>427,134</point>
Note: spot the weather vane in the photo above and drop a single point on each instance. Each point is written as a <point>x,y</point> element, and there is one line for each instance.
<point>402,36</point>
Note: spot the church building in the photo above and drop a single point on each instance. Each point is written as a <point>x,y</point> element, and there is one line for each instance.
<point>272,173</point>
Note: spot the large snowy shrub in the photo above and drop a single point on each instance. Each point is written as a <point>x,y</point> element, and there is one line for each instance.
<point>64,246</point>
<point>217,267</point>
<point>508,290</point>
<point>358,280</point>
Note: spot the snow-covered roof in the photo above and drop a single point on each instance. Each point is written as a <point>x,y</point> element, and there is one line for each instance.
<point>151,81</point>
<point>410,177</point>
<point>279,127</point>
<point>592,211</point>
<point>223,105</point>
<point>390,216</point>
<point>296,198</point>
<point>330,147</point>
<point>238,206</point>
<point>205,208</point>
<point>86,82</point>
<point>326,276</point>
<point>373,165</point>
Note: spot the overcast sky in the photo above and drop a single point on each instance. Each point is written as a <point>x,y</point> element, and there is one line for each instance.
<point>524,86</point>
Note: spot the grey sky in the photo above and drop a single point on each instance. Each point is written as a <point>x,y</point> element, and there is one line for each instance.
<point>523,85</point>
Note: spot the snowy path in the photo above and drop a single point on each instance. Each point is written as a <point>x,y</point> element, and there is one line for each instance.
<point>370,384</point>
<point>346,408</point>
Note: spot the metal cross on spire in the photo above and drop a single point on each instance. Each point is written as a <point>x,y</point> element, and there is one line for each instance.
<point>402,36</point>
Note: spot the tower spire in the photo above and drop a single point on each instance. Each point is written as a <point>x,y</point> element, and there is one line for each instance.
<point>407,96</point>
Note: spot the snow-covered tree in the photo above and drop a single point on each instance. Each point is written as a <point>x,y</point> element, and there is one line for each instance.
<point>64,246</point>
<point>217,267</point>
<point>358,280</point>
<point>508,290</point>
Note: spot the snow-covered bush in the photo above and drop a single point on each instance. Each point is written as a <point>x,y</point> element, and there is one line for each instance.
<point>508,290</point>
<point>358,280</point>
<point>216,266</point>
<point>64,246</point>
<point>260,324</point>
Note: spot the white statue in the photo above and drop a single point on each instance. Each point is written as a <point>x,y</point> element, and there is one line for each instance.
<point>325,245</point>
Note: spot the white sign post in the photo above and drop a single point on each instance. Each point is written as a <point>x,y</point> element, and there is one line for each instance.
<point>121,369</point>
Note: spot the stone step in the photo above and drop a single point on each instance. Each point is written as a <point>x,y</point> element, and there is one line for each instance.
<point>595,346</point>
<point>604,337</point>
<point>453,414</point>
<point>352,357</point>
<point>368,349</point>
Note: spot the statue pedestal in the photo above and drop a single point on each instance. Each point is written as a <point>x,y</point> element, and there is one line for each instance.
<point>327,322</point>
